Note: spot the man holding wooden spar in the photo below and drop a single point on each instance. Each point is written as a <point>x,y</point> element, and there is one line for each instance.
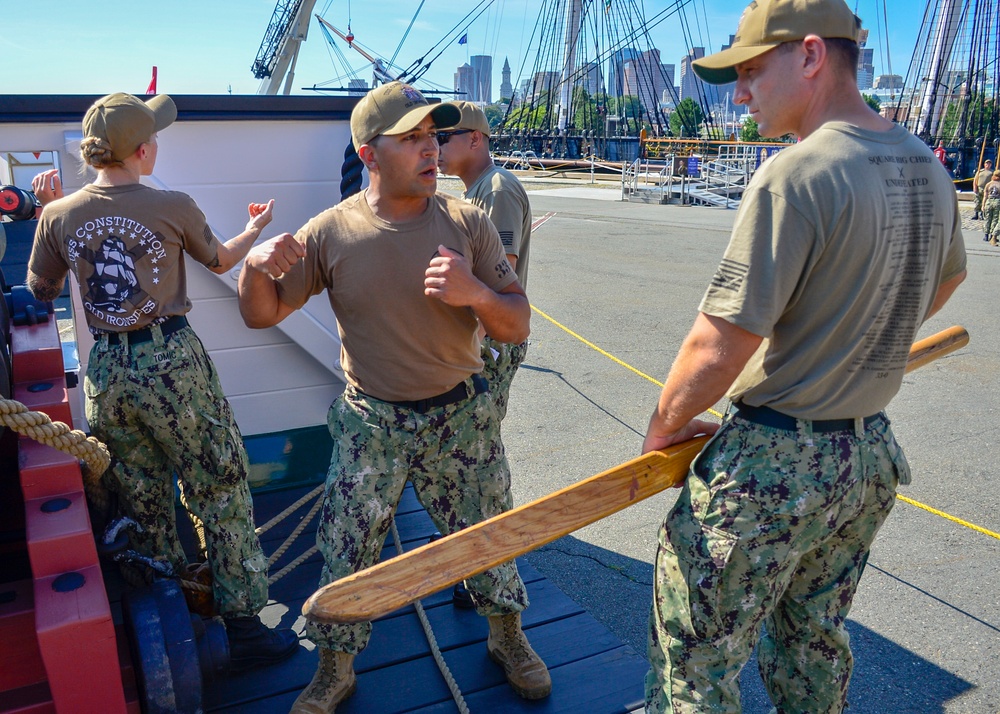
<point>408,272</point>
<point>843,245</point>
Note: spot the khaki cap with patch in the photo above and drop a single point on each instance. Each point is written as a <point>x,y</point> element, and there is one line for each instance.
<point>124,121</point>
<point>396,108</point>
<point>472,118</point>
<point>765,24</point>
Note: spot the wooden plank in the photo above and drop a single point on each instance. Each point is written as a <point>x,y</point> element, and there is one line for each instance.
<point>386,586</point>
<point>382,588</point>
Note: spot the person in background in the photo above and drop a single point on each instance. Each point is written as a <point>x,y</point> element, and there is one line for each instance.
<point>465,152</point>
<point>984,176</point>
<point>843,245</point>
<point>991,209</point>
<point>152,393</point>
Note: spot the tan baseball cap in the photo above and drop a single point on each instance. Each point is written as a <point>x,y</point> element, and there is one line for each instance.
<point>125,122</point>
<point>472,118</point>
<point>396,108</point>
<point>765,24</point>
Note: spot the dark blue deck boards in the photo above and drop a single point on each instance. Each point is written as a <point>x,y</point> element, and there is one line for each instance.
<point>592,672</point>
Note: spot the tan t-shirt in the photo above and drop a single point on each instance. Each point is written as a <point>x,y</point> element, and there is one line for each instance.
<point>396,342</point>
<point>838,250</point>
<point>499,193</point>
<point>982,178</point>
<point>125,245</point>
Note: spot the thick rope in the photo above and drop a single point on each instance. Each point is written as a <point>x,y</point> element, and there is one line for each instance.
<point>288,511</point>
<point>39,427</point>
<point>295,533</point>
<point>456,691</point>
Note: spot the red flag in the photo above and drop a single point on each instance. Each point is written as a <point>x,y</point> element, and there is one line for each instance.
<point>151,89</point>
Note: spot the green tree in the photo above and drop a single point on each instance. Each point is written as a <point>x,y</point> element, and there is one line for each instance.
<point>687,118</point>
<point>587,110</point>
<point>628,109</point>
<point>872,101</point>
<point>493,115</point>
<point>528,117</point>
<point>749,132</point>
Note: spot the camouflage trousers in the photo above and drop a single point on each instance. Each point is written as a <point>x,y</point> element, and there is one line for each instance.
<point>453,457</point>
<point>160,409</point>
<point>991,217</point>
<point>772,528</point>
<point>499,370</point>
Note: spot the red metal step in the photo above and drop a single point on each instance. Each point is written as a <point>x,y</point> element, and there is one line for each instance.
<point>20,661</point>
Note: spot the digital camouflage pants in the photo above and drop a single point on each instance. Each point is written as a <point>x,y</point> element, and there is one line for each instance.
<point>453,457</point>
<point>772,528</point>
<point>991,218</point>
<point>160,409</point>
<point>499,370</point>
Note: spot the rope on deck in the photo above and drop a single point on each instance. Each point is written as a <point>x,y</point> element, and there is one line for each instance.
<point>456,691</point>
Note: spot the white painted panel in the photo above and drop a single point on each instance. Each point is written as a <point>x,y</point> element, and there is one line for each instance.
<point>269,368</point>
<point>255,413</point>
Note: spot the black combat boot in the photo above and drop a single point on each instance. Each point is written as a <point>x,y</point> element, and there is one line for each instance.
<point>251,644</point>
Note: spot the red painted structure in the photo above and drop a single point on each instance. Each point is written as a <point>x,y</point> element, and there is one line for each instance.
<point>60,650</point>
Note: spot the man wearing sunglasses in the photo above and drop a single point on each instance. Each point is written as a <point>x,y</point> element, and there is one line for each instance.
<point>410,274</point>
<point>465,152</point>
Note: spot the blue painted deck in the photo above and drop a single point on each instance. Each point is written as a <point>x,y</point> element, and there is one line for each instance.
<point>592,671</point>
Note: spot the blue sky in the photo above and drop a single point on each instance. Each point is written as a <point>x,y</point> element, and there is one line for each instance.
<point>208,46</point>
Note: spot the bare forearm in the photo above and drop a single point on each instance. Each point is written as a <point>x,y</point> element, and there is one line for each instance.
<point>945,291</point>
<point>506,317</point>
<point>260,305</point>
<point>234,250</point>
<point>710,359</point>
<point>45,289</point>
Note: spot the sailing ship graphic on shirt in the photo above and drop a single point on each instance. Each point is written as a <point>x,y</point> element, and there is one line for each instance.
<point>114,280</point>
<point>107,251</point>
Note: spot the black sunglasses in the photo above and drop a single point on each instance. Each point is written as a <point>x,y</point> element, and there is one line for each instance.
<point>444,136</point>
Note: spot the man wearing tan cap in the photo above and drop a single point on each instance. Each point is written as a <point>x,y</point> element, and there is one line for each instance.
<point>465,152</point>
<point>843,245</point>
<point>410,273</point>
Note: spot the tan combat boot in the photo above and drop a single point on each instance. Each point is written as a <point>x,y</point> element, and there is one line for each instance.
<point>508,647</point>
<point>333,682</point>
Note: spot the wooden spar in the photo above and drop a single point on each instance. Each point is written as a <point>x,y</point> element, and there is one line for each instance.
<point>394,583</point>
<point>397,582</point>
<point>935,346</point>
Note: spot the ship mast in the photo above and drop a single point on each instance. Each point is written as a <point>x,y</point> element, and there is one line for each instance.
<point>936,92</point>
<point>574,20</point>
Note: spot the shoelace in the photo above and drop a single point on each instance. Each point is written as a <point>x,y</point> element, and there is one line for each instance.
<point>516,640</point>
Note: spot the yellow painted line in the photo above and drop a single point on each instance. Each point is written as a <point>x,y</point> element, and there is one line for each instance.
<point>607,354</point>
<point>936,512</point>
<point>959,521</point>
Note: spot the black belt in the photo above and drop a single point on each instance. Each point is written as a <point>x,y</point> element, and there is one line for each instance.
<point>457,393</point>
<point>145,334</point>
<point>765,416</point>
